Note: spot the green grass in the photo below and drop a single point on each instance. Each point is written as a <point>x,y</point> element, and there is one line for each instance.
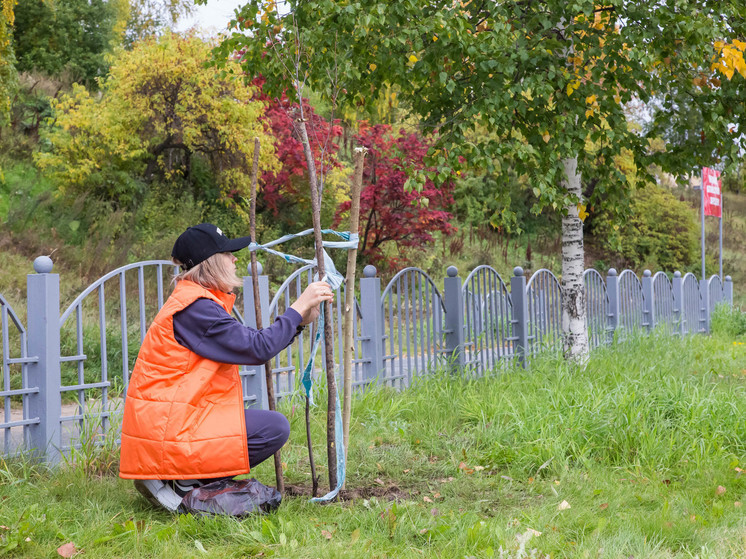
<point>645,444</point>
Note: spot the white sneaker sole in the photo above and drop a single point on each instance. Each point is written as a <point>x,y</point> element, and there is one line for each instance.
<point>158,493</point>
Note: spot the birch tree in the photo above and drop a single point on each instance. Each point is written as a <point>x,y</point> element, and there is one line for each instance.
<point>547,80</point>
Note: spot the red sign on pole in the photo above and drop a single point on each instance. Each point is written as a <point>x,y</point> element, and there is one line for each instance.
<point>712,186</point>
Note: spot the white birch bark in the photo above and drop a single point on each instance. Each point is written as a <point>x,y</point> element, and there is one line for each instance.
<point>574,335</point>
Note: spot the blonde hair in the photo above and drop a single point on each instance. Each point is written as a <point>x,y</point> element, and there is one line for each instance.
<point>213,273</point>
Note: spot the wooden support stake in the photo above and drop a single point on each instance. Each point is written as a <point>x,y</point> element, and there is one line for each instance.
<point>258,309</point>
<point>349,342</point>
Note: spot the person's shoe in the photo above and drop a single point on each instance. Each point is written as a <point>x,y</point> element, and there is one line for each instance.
<point>159,493</point>
<point>184,486</point>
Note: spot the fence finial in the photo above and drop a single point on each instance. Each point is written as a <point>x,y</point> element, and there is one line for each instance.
<point>369,271</point>
<point>452,271</point>
<point>259,268</point>
<point>677,274</point>
<point>646,274</point>
<point>517,271</point>
<point>43,265</point>
<point>612,272</point>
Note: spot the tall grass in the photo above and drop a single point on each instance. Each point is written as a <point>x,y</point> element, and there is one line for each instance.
<point>637,454</point>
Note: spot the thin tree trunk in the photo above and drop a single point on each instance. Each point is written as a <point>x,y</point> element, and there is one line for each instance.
<point>258,309</point>
<point>331,447</point>
<point>574,335</point>
<point>349,347</point>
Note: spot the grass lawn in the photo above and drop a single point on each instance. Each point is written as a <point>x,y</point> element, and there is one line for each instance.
<point>639,454</point>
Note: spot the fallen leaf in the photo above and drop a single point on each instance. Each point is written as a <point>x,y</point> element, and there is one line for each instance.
<point>436,495</point>
<point>423,531</point>
<point>355,535</point>
<point>427,499</point>
<point>556,482</point>
<point>466,469</point>
<point>667,482</point>
<point>530,480</point>
<point>507,477</point>
<point>738,504</point>
<point>379,481</point>
<point>533,532</point>
<point>604,506</point>
<point>693,517</point>
<point>478,468</point>
<point>720,490</point>
<point>67,550</point>
<point>406,471</point>
<point>436,512</point>
<point>327,534</point>
<point>378,465</point>
<point>564,505</point>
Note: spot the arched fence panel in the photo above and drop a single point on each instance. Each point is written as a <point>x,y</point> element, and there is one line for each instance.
<point>716,291</point>
<point>664,310</point>
<point>692,305</point>
<point>596,308</point>
<point>630,303</point>
<point>100,336</point>
<point>290,363</point>
<point>413,322</point>
<point>488,313</point>
<point>15,385</point>
<point>544,298</point>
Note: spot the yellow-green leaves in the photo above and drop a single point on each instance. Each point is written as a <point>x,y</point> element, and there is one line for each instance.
<point>161,109</point>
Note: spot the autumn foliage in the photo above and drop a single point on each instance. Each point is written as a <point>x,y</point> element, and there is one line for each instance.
<point>389,211</point>
<point>285,192</point>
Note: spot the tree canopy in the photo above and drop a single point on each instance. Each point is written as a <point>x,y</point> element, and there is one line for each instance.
<point>69,36</point>
<point>548,77</point>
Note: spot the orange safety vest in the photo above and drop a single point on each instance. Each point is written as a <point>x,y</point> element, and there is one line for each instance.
<point>184,414</point>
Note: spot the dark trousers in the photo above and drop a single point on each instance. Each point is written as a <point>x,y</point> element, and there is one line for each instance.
<point>266,432</point>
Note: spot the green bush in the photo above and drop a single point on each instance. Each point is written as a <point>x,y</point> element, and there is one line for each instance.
<point>660,233</point>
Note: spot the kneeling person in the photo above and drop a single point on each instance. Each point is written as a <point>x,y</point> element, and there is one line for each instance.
<point>184,419</point>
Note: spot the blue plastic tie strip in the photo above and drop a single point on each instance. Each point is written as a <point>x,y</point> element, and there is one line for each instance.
<point>335,280</point>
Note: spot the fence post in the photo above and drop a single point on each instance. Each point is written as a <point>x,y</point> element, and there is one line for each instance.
<point>372,325</point>
<point>648,300</point>
<point>704,311</point>
<point>728,291</point>
<point>43,304</point>
<point>677,290</point>
<point>453,299</point>
<point>520,314</point>
<point>255,381</point>
<point>612,291</point>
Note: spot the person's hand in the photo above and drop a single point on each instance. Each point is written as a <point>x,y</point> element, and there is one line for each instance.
<point>308,303</point>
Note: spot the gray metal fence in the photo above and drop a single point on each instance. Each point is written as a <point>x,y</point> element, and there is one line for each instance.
<point>64,376</point>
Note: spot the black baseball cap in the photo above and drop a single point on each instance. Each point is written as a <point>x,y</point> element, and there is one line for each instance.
<point>200,242</point>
